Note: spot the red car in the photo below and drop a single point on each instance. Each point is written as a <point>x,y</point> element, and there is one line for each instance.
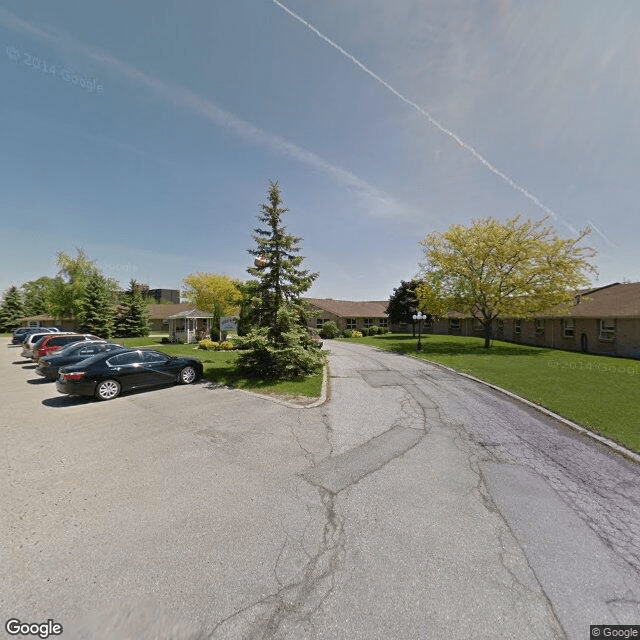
<point>56,341</point>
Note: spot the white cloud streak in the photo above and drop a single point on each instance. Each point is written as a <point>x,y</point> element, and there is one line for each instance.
<point>477,155</point>
<point>381,203</point>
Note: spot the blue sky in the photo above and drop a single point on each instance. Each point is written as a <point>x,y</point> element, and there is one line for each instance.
<point>157,165</point>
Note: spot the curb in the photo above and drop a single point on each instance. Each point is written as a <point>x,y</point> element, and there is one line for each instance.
<point>324,392</point>
<point>618,448</point>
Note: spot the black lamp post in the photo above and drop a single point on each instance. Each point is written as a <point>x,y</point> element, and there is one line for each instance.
<point>419,318</point>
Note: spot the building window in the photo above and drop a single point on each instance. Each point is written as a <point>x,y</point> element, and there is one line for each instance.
<point>477,324</point>
<point>428,323</point>
<point>454,324</point>
<point>369,322</point>
<point>352,323</point>
<point>383,322</point>
<point>319,322</point>
<point>607,329</point>
<point>539,326</point>
<point>500,325</point>
<point>517,327</point>
<point>568,328</point>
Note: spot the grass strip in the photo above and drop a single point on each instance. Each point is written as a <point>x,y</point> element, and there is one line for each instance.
<point>219,366</point>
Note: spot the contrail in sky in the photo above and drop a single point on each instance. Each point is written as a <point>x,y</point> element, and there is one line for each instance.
<point>478,156</point>
<point>379,202</point>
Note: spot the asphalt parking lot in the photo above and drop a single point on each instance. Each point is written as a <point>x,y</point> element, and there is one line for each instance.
<point>414,503</point>
<point>158,496</point>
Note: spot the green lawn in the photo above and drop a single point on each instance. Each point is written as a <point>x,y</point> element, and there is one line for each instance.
<point>219,366</point>
<point>598,392</point>
<point>139,342</point>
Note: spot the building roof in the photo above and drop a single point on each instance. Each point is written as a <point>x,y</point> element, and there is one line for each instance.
<point>351,309</point>
<point>163,311</point>
<point>616,300</point>
<point>42,316</point>
<point>620,300</point>
<point>193,313</point>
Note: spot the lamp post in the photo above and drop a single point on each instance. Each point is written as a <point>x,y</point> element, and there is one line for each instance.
<point>419,318</point>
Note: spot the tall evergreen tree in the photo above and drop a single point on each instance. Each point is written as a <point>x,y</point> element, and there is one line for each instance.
<point>97,310</point>
<point>133,318</point>
<point>277,264</point>
<point>279,345</point>
<point>11,309</point>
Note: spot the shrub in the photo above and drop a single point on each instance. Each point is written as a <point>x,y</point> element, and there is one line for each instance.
<point>347,333</point>
<point>383,330</point>
<point>208,344</point>
<point>291,353</point>
<point>227,345</point>
<point>365,331</point>
<point>374,330</point>
<point>329,330</point>
<point>165,340</point>
<point>356,334</point>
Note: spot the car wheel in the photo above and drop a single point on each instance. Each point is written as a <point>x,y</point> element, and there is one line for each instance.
<point>108,390</point>
<point>188,375</point>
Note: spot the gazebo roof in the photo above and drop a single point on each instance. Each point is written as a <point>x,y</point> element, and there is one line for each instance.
<point>192,313</point>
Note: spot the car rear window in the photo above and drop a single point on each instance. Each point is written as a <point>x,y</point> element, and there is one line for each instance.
<point>97,358</point>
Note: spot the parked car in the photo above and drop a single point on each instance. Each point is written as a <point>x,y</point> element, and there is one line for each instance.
<point>55,341</point>
<point>72,353</point>
<point>19,334</point>
<point>22,333</point>
<point>106,375</point>
<point>30,340</point>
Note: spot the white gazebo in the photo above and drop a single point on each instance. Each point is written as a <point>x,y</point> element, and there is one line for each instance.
<point>190,326</point>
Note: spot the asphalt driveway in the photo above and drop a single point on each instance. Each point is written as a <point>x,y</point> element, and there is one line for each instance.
<point>413,504</point>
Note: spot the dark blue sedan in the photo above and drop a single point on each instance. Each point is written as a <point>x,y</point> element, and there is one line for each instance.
<point>106,375</point>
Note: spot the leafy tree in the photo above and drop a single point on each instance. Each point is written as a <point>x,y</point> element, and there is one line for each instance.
<point>491,269</point>
<point>11,309</point>
<point>133,317</point>
<point>403,303</point>
<point>97,310</point>
<point>68,294</point>
<point>281,280</point>
<point>213,292</point>
<point>279,345</point>
<point>38,295</point>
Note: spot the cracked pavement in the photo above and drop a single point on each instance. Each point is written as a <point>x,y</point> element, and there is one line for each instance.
<point>413,504</point>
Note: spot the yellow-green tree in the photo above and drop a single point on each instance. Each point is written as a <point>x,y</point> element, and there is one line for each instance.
<point>492,269</point>
<point>213,292</point>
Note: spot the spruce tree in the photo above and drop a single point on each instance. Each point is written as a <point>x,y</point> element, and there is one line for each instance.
<point>281,281</point>
<point>11,309</point>
<point>133,319</point>
<point>97,309</point>
<point>279,346</point>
